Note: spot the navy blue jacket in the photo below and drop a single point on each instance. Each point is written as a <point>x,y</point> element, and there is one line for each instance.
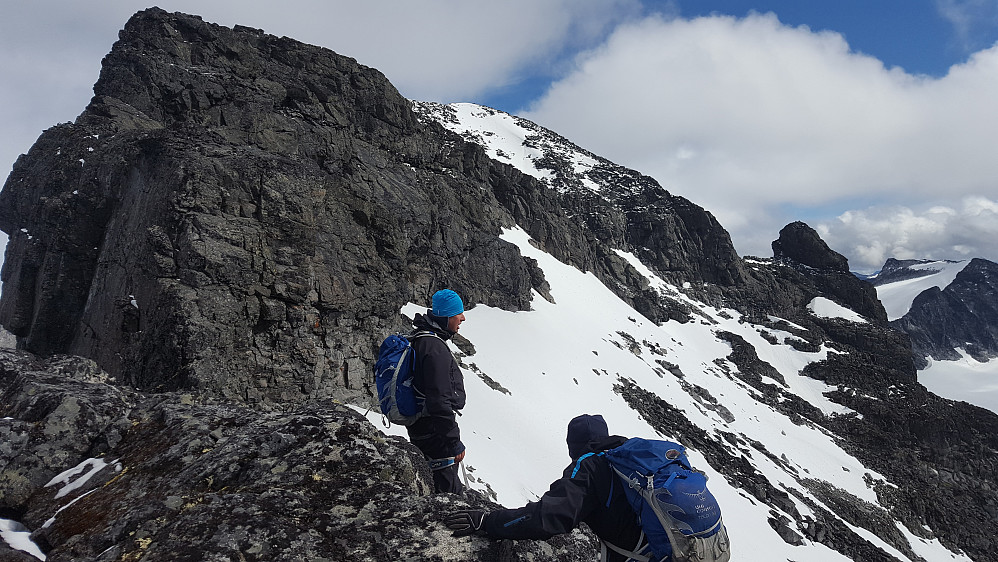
<point>439,379</point>
<point>592,494</point>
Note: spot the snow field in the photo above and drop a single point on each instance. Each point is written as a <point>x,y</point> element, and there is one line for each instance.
<point>965,379</point>
<point>19,538</point>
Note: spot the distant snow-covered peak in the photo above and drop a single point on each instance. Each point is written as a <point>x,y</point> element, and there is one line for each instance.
<point>913,278</point>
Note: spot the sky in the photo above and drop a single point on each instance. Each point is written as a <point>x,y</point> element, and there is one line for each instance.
<point>873,122</point>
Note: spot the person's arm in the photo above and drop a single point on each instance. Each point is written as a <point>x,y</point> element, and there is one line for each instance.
<point>568,501</point>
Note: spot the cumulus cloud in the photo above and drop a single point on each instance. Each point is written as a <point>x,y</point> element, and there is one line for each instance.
<point>443,50</point>
<point>749,118</point>
<point>872,235</point>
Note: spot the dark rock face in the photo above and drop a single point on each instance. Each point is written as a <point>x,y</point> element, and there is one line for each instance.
<point>800,243</point>
<point>800,247</point>
<point>245,215</point>
<point>266,205</point>
<point>964,315</point>
<point>171,477</point>
<point>931,447</point>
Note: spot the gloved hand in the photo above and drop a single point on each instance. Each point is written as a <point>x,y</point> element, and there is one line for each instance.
<point>465,522</point>
<point>460,456</point>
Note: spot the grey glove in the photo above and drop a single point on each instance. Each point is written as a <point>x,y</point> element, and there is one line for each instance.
<point>465,522</point>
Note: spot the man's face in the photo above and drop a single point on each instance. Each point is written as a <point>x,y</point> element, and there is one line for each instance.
<point>454,322</point>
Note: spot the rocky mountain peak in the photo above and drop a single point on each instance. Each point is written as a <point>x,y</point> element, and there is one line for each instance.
<point>231,190</point>
<point>802,244</point>
<point>228,189</point>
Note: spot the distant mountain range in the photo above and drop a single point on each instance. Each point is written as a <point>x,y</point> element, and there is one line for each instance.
<point>949,309</point>
<point>944,306</point>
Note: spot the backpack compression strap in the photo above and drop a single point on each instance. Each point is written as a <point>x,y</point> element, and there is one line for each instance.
<point>421,333</point>
<point>629,554</point>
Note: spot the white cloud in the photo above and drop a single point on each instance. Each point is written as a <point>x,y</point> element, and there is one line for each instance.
<point>970,19</point>
<point>750,118</point>
<point>872,235</point>
<point>444,50</point>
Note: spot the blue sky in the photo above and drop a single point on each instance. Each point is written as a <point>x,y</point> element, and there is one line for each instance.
<point>873,121</point>
<point>913,34</point>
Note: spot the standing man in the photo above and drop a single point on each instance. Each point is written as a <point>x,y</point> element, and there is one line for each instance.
<point>438,378</point>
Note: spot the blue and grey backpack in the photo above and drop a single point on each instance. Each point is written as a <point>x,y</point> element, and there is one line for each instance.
<point>400,402</point>
<point>677,512</point>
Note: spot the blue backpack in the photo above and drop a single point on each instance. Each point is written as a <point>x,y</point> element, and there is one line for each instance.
<point>676,511</point>
<point>400,402</point>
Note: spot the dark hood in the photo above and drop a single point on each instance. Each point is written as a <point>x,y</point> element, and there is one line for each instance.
<point>584,430</point>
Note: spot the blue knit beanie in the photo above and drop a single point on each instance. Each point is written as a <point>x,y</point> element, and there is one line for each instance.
<point>446,303</point>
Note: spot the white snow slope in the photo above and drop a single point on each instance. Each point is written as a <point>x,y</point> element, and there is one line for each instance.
<point>562,359</point>
<point>965,379</point>
<point>18,537</point>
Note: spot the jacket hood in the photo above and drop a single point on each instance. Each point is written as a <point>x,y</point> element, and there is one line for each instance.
<point>435,324</point>
<point>584,430</point>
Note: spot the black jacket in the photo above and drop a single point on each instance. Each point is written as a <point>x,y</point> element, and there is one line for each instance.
<point>439,379</point>
<point>593,495</point>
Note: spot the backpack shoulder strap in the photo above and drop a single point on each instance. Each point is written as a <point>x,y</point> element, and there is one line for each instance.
<point>424,333</point>
<point>578,463</point>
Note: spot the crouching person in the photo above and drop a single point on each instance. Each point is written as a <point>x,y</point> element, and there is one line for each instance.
<point>592,491</point>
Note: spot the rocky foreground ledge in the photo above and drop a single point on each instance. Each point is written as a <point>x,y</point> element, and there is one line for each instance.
<point>101,472</point>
